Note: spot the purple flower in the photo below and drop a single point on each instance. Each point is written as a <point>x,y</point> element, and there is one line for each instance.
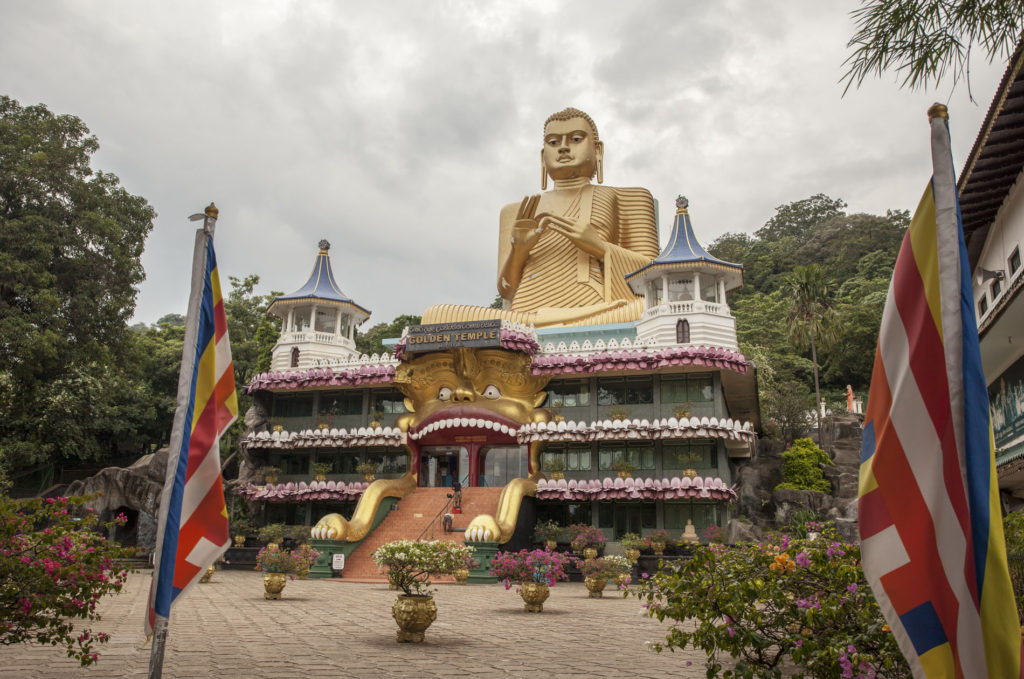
<point>803,559</point>
<point>852,588</point>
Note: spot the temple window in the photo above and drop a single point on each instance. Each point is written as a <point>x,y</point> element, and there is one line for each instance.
<point>574,458</point>
<point>687,389</point>
<point>1014,260</point>
<point>708,287</point>
<point>340,403</point>
<point>563,513</point>
<point>390,402</point>
<point>703,514</point>
<point>982,305</point>
<point>300,320</point>
<point>627,517</point>
<point>625,391</point>
<point>680,289</point>
<point>568,394</point>
<point>678,457</point>
<point>658,295</point>
<point>292,405</point>
<point>326,319</point>
<point>639,454</point>
<point>295,357</point>
<point>682,331</point>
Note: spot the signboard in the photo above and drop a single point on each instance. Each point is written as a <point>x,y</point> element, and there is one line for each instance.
<point>442,336</point>
<point>1006,404</point>
<point>338,562</point>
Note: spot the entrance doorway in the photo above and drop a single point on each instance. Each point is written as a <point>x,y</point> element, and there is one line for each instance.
<point>441,465</point>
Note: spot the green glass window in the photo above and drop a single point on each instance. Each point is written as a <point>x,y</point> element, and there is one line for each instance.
<point>390,402</point>
<point>639,454</point>
<point>568,394</point>
<point>703,514</point>
<point>340,403</point>
<point>689,455</point>
<point>575,458</point>
<point>687,389</point>
<point>625,391</point>
<point>292,405</point>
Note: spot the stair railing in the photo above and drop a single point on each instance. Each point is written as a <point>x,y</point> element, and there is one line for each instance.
<point>451,498</point>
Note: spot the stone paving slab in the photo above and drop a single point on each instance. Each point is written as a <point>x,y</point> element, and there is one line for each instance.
<point>333,628</point>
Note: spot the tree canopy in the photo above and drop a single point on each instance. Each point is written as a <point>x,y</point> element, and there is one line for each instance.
<point>70,245</point>
<point>372,341</point>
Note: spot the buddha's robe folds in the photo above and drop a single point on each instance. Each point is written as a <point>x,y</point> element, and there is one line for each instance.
<point>563,285</point>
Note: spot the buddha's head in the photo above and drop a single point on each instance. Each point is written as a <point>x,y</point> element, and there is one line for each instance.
<point>571,148</point>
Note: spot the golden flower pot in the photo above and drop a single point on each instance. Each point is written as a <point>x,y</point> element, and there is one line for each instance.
<point>240,540</point>
<point>589,553</point>
<point>557,476</point>
<point>534,594</point>
<point>625,475</point>
<point>273,583</point>
<point>622,580</point>
<point>658,547</point>
<point>595,586</point>
<point>368,478</point>
<point>413,615</point>
<point>633,555</point>
<point>208,574</point>
<point>320,478</point>
<point>551,545</point>
<point>461,575</point>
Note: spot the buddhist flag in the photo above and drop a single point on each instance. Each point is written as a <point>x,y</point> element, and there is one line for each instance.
<point>930,522</point>
<point>192,529</point>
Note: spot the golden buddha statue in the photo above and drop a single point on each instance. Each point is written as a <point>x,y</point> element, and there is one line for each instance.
<point>563,254</point>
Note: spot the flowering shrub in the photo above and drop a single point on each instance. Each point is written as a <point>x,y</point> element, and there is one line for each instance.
<point>538,565</point>
<point>619,565</point>
<point>606,568</point>
<point>715,534</point>
<point>55,565</point>
<point>410,564</point>
<point>589,537</point>
<point>272,532</point>
<point>660,535</point>
<point>546,530</point>
<point>632,541</point>
<point>803,602</point>
<point>276,560</point>
<point>305,556</point>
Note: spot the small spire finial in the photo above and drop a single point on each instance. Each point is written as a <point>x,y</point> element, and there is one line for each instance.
<point>682,202</point>
<point>211,210</point>
<point>324,245</point>
<point>938,111</point>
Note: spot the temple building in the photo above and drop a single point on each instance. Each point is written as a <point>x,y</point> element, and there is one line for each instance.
<point>609,391</point>
<point>992,207</point>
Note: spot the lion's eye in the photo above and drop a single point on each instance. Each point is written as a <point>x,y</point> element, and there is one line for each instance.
<point>492,392</point>
<point>445,394</point>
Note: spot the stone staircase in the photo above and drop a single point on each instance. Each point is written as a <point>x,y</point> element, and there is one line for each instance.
<point>416,513</point>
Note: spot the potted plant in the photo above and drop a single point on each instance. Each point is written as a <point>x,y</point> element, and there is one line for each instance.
<point>587,542</point>
<point>618,413</point>
<point>375,417</point>
<point>462,572</point>
<point>321,470</point>
<point>625,468</point>
<point>620,567</point>
<point>632,543</point>
<point>269,473</point>
<point>271,534</point>
<point>556,467</point>
<point>683,410</point>
<point>547,532</point>
<point>240,527</point>
<point>596,574</point>
<point>368,469</point>
<point>534,571</point>
<point>657,540</point>
<point>305,556</point>
<point>298,535</point>
<point>410,566</point>
<point>276,564</point>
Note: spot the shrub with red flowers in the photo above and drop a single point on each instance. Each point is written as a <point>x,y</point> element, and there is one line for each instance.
<point>801,603</point>
<point>588,537</point>
<point>538,565</point>
<point>55,566</point>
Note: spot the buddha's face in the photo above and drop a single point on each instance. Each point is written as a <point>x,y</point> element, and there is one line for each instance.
<point>570,150</point>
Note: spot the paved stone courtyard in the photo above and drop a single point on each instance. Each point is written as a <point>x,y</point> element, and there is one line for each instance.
<point>333,628</point>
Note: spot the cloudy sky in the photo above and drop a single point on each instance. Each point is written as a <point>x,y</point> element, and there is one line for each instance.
<point>398,130</point>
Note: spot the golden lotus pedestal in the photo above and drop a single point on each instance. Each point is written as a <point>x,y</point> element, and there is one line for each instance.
<point>595,586</point>
<point>273,583</point>
<point>413,615</point>
<point>534,594</point>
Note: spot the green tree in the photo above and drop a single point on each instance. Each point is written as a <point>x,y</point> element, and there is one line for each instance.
<point>924,40</point>
<point>372,341</point>
<point>70,245</point>
<point>810,320</point>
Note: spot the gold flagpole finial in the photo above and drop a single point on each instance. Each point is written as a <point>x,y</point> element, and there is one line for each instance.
<point>212,211</point>
<point>938,111</point>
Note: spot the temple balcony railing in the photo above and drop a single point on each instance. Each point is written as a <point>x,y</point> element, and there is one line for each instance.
<point>314,337</point>
<point>687,307</point>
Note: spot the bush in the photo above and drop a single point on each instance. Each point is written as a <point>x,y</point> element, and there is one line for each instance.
<point>547,530</point>
<point>55,566</point>
<point>589,537</point>
<point>410,564</point>
<point>538,565</point>
<point>801,467</point>
<point>272,532</point>
<point>800,602</point>
<point>276,560</point>
<point>632,541</point>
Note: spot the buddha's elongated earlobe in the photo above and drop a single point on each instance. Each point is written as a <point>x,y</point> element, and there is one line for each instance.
<point>543,173</point>
<point>599,151</point>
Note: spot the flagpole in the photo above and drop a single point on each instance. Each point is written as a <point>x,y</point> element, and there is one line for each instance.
<point>209,217</point>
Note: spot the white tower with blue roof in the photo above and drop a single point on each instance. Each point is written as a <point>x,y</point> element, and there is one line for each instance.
<point>684,290</point>
<point>318,321</point>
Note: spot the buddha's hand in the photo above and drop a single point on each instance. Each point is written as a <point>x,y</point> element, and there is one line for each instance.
<point>331,527</point>
<point>483,529</point>
<point>582,234</point>
<point>526,230</point>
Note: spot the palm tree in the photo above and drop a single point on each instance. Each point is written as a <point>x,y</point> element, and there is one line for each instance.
<point>810,322</point>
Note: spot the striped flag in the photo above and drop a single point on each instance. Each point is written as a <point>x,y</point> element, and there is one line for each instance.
<point>930,521</point>
<point>192,529</point>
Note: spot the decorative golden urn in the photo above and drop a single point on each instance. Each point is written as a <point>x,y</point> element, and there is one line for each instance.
<point>240,540</point>
<point>461,575</point>
<point>413,615</point>
<point>690,474</point>
<point>368,477</point>
<point>658,547</point>
<point>633,555</point>
<point>623,474</point>
<point>209,573</point>
<point>622,580</point>
<point>534,594</point>
<point>557,476</point>
<point>551,545</point>
<point>595,586</point>
<point>589,553</point>
<point>320,477</point>
<point>273,583</point>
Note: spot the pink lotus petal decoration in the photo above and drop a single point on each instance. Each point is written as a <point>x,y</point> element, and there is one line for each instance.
<point>712,488</point>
